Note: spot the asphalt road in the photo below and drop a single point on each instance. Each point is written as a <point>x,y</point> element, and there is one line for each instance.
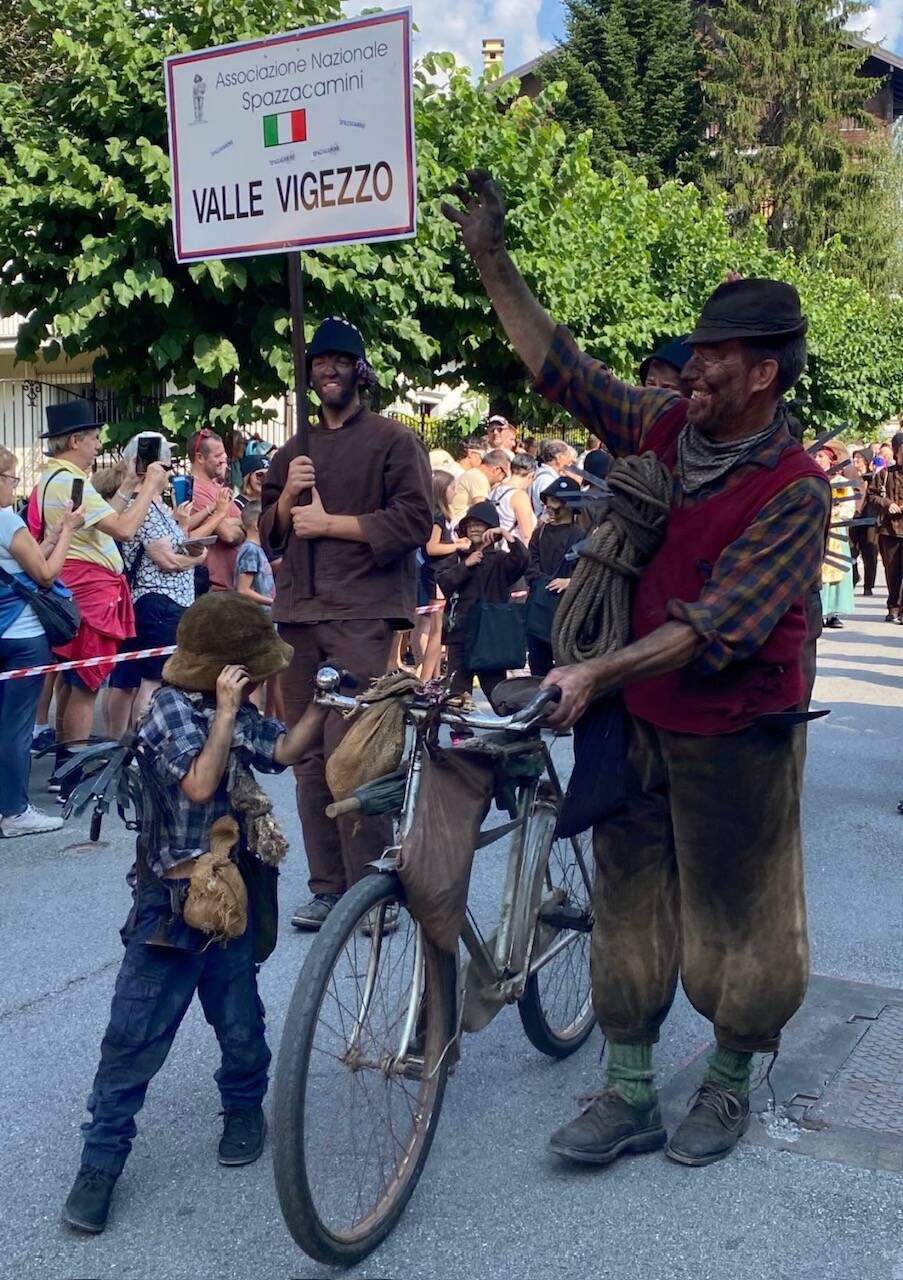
<point>491,1202</point>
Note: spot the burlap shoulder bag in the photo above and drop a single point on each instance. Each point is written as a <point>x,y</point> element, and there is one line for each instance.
<point>217,901</point>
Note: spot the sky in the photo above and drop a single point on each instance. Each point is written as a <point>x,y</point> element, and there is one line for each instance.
<point>531,26</point>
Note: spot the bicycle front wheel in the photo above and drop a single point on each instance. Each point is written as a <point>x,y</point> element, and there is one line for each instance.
<point>361,1074</point>
<point>556,1008</point>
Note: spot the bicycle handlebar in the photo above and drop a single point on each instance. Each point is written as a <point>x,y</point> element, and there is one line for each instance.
<point>518,722</point>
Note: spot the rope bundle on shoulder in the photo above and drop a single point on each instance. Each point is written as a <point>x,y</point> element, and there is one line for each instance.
<point>593,618</point>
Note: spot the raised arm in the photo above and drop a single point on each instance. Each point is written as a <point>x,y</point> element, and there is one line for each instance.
<point>618,412</point>
<point>529,326</point>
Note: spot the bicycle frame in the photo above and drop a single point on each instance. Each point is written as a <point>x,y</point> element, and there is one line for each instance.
<point>504,967</point>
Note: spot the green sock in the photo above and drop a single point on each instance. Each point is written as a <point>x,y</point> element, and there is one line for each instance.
<point>630,1072</point>
<point>731,1070</point>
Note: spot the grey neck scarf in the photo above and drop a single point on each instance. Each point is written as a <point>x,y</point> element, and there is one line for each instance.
<point>701,461</point>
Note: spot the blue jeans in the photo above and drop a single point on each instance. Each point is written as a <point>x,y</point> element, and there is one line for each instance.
<point>153,991</point>
<point>18,703</point>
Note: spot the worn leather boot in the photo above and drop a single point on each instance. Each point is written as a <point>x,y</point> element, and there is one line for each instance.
<point>717,1121</point>
<point>88,1205</point>
<point>609,1127</point>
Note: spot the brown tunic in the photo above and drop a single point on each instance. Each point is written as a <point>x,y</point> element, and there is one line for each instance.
<point>373,468</point>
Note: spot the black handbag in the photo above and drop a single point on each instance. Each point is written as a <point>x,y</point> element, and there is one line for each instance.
<point>54,607</point>
<point>542,605</point>
<point>496,638</point>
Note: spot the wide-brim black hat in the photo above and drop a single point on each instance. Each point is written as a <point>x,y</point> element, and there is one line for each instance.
<point>336,335</point>
<point>564,489</point>
<point>70,418</point>
<point>754,308</point>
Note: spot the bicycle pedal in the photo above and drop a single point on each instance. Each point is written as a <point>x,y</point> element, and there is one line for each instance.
<point>564,917</point>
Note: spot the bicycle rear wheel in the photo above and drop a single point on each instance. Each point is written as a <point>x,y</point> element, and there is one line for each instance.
<point>357,1099</point>
<point>556,1008</point>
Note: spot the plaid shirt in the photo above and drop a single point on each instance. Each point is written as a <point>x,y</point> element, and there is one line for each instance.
<point>173,734</point>
<point>755,580</point>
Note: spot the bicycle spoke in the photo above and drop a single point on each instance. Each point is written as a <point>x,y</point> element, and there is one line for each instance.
<point>363,1118</point>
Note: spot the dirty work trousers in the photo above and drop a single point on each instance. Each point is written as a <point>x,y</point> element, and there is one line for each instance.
<point>701,873</point>
<point>153,990</point>
<point>337,851</point>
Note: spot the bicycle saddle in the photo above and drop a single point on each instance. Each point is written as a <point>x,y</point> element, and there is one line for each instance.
<point>513,695</point>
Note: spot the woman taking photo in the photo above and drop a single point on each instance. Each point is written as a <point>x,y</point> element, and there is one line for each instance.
<point>160,574</point>
<point>23,644</point>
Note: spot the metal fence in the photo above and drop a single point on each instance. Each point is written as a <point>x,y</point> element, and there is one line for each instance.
<point>23,402</point>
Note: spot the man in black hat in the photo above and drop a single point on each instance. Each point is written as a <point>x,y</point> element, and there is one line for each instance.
<point>347,580</point>
<point>700,871</point>
<point>94,568</point>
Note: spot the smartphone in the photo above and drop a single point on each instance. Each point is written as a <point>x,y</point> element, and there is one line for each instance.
<point>148,451</point>
<point>201,542</point>
<point>78,492</point>
<point>182,489</point>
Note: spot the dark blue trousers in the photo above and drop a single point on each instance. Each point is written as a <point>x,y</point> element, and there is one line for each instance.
<point>153,991</point>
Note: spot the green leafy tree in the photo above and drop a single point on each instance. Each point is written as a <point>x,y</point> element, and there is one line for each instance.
<point>632,71</point>
<point>782,78</point>
<point>86,247</point>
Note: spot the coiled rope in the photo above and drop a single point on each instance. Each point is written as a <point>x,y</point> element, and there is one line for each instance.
<point>594,615</point>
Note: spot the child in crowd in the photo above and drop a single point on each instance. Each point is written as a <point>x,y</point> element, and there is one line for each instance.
<point>198,933</point>
<point>253,572</point>
<point>484,571</point>
<point>549,571</point>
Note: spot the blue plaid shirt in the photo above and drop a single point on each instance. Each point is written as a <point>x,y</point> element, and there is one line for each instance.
<point>172,734</point>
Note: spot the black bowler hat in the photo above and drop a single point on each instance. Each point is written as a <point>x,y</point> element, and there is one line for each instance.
<point>70,418</point>
<point>750,309</point>
<point>336,335</point>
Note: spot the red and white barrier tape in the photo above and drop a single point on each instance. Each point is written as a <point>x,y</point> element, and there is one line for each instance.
<point>162,651</point>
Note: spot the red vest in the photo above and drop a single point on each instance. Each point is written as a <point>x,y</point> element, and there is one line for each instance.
<point>686,701</point>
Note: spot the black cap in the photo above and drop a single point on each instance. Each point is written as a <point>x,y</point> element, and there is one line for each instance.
<point>70,418</point>
<point>337,335</point>
<point>485,512</point>
<point>750,309</point>
<point>252,462</point>
<point>675,352</point>
<point>598,463</point>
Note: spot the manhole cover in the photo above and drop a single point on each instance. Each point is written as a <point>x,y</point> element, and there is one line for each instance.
<point>867,1091</point>
<point>838,1079</point>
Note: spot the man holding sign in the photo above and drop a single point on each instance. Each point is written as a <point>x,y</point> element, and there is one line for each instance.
<point>347,578</point>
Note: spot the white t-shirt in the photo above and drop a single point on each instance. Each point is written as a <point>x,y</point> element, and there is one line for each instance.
<point>26,625</point>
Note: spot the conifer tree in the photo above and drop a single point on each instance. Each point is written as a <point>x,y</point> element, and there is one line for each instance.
<point>632,68</point>
<point>783,91</point>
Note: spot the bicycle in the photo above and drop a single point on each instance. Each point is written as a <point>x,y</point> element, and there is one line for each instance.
<point>376,1018</point>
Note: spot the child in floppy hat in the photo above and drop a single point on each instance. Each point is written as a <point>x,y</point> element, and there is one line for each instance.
<point>206,854</point>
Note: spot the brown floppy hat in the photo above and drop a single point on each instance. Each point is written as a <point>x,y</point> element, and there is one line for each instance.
<point>219,630</point>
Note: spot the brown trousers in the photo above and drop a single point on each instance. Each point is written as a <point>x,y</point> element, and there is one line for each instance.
<point>702,874</point>
<point>337,851</point>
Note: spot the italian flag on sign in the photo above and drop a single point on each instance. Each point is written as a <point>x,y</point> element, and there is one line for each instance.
<point>286,126</point>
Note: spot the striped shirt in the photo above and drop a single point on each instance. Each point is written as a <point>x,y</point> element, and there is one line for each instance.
<point>778,558</point>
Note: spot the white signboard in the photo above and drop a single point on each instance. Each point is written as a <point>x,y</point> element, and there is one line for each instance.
<point>295,141</point>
